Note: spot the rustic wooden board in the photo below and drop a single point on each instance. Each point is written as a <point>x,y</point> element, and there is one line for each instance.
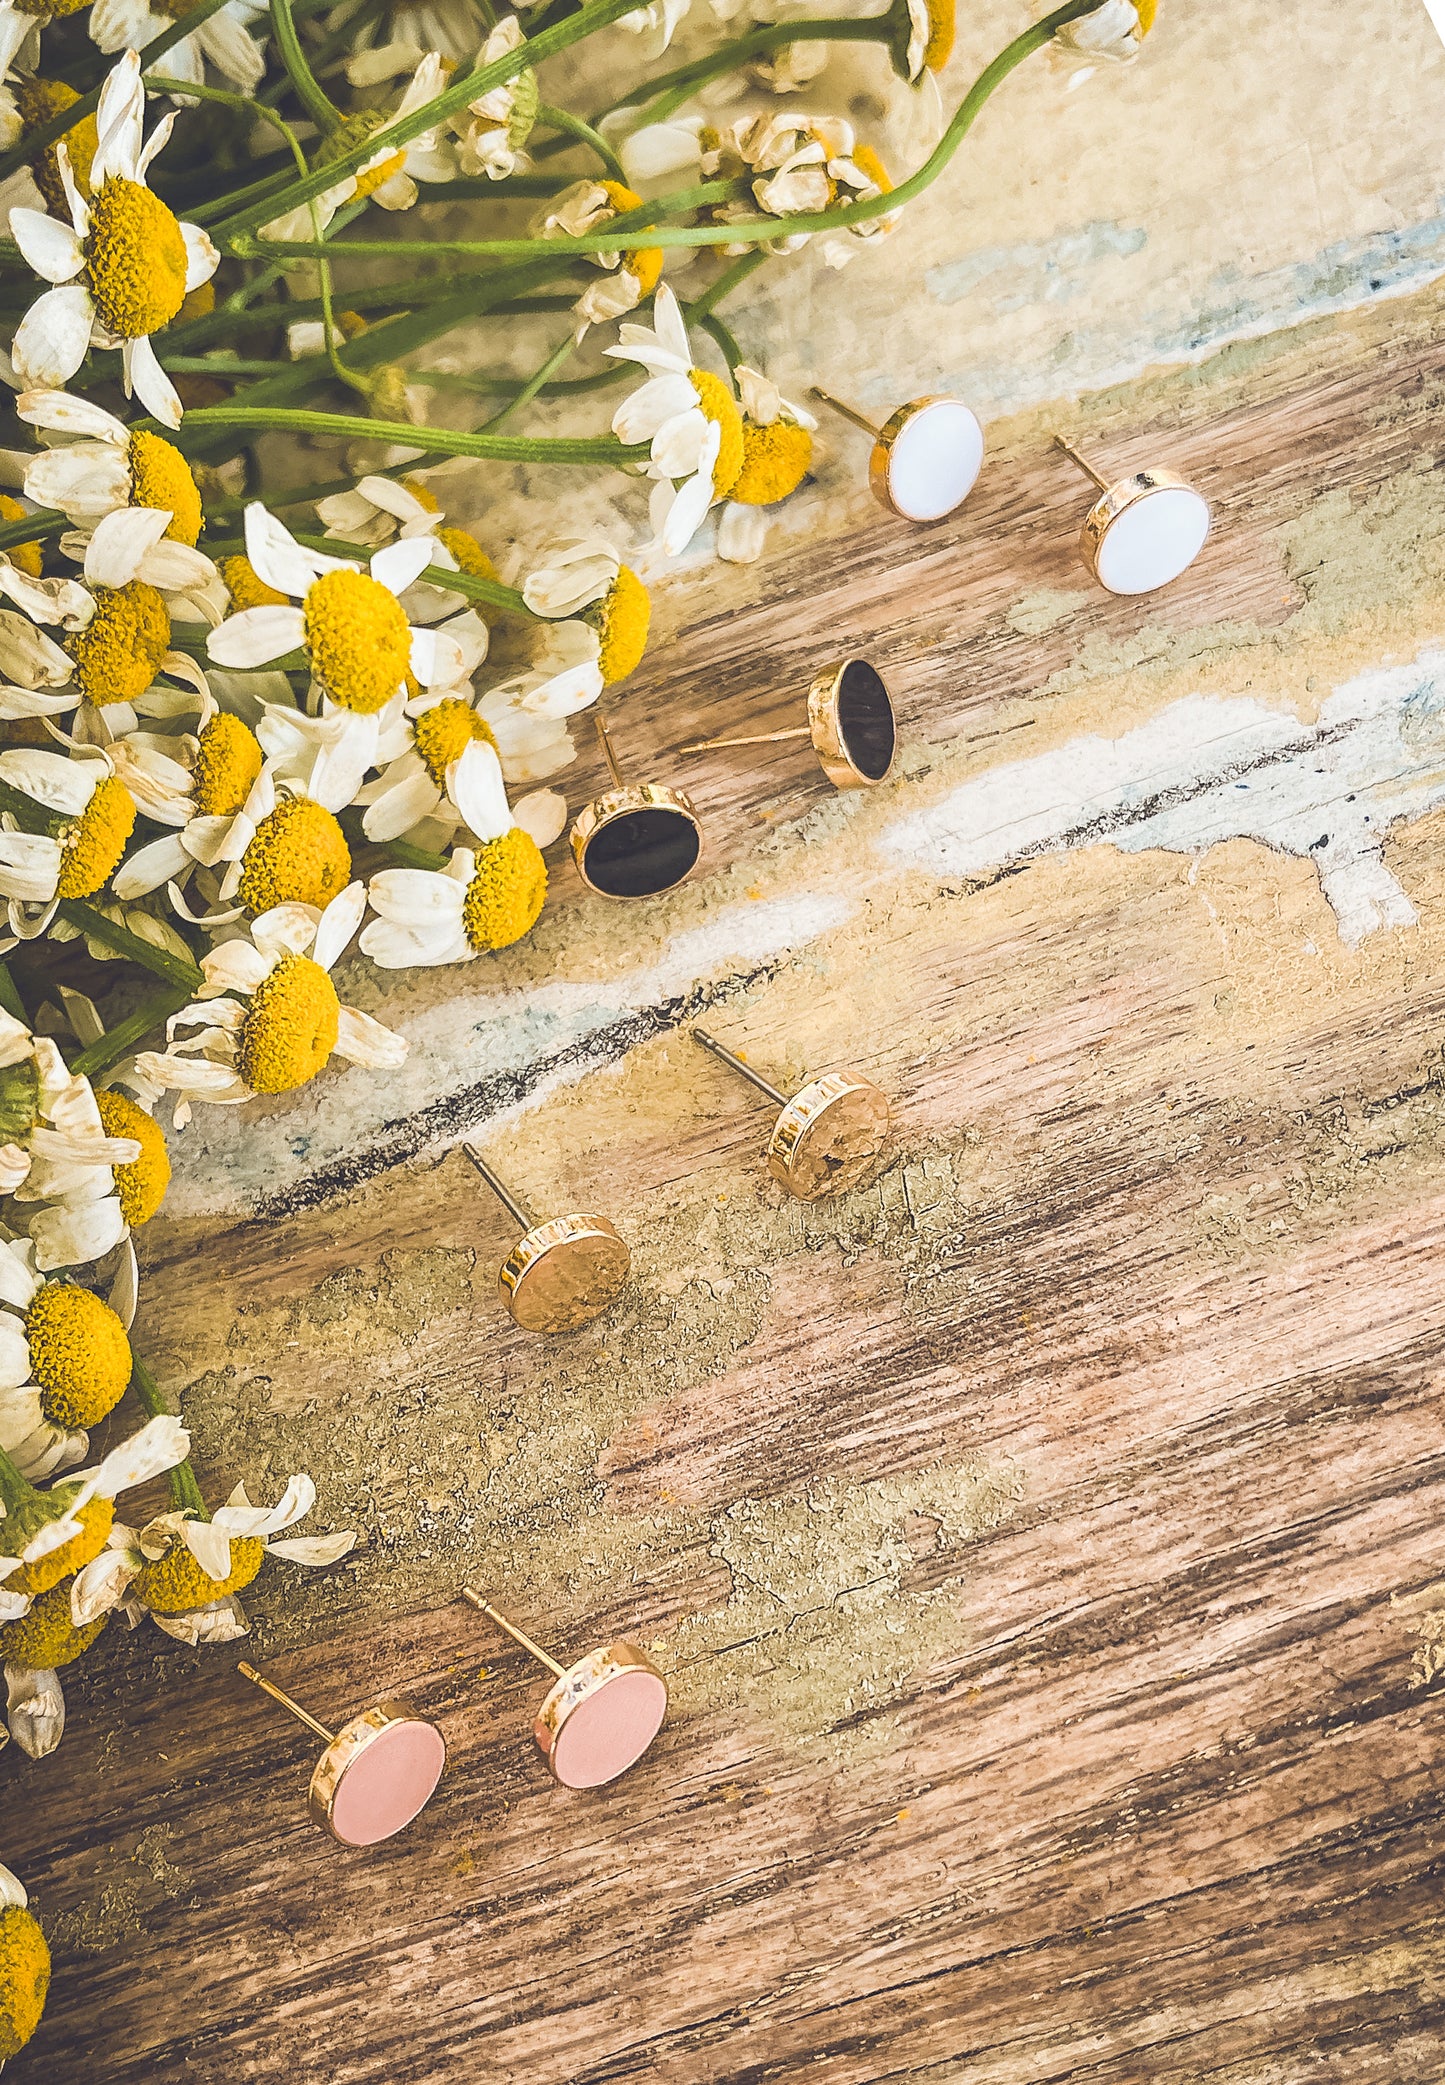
<point>1040,1538</point>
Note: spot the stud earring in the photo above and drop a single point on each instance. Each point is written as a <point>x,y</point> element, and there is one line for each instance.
<point>560,1274</point>
<point>601,1713</point>
<point>827,1136</point>
<point>377,1772</point>
<point>851,724</point>
<point>1143,531</point>
<point>637,840</point>
<point>926,458</point>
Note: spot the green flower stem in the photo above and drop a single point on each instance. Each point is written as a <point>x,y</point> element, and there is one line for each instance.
<point>309,92</point>
<point>575,129</point>
<point>442,441</point>
<point>16,1493</point>
<point>839,218</point>
<point>596,14</point>
<point>340,39</point>
<point>10,998</point>
<point>534,383</point>
<point>127,1035</point>
<point>184,1488</point>
<point>668,93</point>
<point>414,857</point>
<point>185,976</point>
<point>732,353</point>
<point>34,142</point>
<point>35,528</point>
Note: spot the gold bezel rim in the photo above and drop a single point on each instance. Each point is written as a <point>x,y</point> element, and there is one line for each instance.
<point>535,1247</point>
<point>826,732</point>
<point>341,1754</point>
<point>582,1682</point>
<point>1123,494</point>
<point>605,810</point>
<point>882,450</point>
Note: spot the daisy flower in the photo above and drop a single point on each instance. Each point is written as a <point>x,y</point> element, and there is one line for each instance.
<point>268,1015</point>
<point>483,899</point>
<point>65,1362</point>
<point>377,508</point>
<point>777,454</point>
<point>224,38</point>
<point>99,1168</point>
<point>493,129</point>
<point>185,1572</point>
<point>390,175</point>
<point>434,780</point>
<point>49,1535</point>
<point>632,275</point>
<point>24,1962</point>
<point>689,417</point>
<point>1114,31</point>
<point>92,816</point>
<point>527,715</point>
<point>122,266</point>
<point>931,29</point>
<point>584,576</point>
<point>107,466</point>
<point>353,631</point>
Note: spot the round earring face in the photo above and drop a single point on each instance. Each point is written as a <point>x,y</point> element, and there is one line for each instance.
<point>927,459</point>
<point>601,1716</point>
<point>564,1273</point>
<point>376,1775</point>
<point>867,729</point>
<point>636,842</point>
<point>1145,532</point>
<point>828,1137</point>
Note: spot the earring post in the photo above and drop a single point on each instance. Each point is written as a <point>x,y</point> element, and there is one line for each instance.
<point>761,738</point>
<point>503,1194</point>
<point>258,1679</point>
<point>710,1042</point>
<point>510,1628</point>
<point>1082,461</point>
<point>605,741</point>
<point>848,412</point>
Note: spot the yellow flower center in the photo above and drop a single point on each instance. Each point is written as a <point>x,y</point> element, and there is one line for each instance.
<point>507,892</point>
<point>423,494</point>
<point>939,47</point>
<point>161,477</point>
<point>37,102</point>
<point>50,8</point>
<point>246,587</point>
<point>622,617</point>
<point>443,733</point>
<point>645,262</point>
<point>717,403</point>
<point>46,1638</point>
<point>299,856</point>
<point>1146,11</point>
<point>468,552</point>
<point>118,653</point>
<point>79,1355</point>
<point>96,1517</point>
<point>357,639</point>
<point>92,847</point>
<point>142,1184</point>
<point>228,760</point>
<point>291,1028</point>
<point>136,259</point>
<point>24,1978</point>
<point>175,1582</point>
<point>24,556</point>
<point>775,463</point>
<point>867,162</point>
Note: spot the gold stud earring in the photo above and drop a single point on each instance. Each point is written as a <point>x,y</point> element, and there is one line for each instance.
<point>851,724</point>
<point>827,1137</point>
<point>1143,531</point>
<point>639,839</point>
<point>377,1772</point>
<point>926,457</point>
<point>600,1715</point>
<point>560,1274</point>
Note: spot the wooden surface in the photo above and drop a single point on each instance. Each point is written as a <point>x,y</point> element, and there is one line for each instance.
<point>1120,1392</point>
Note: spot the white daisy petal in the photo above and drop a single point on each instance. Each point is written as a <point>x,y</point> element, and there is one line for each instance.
<point>150,384</point>
<point>338,923</point>
<point>543,814</point>
<point>256,636</point>
<point>53,338</point>
<point>402,562</point>
<point>120,542</point>
<point>202,259</point>
<point>51,248</point>
<point>361,1040</point>
<point>475,786</point>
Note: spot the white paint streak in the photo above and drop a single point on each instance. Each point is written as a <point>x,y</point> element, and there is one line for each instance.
<point>1208,769</point>
<point>228,1162</point>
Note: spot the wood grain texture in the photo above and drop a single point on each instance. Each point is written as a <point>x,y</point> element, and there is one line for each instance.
<point>1154,1292</point>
